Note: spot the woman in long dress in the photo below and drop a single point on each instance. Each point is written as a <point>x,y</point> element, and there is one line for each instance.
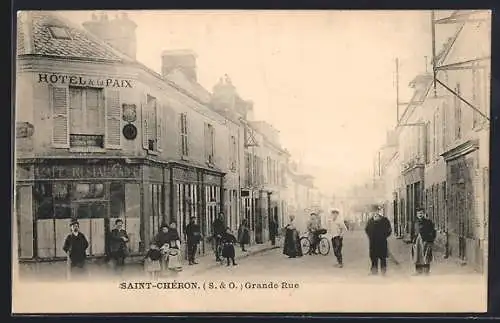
<point>292,246</point>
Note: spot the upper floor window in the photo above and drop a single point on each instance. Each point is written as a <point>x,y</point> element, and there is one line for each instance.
<point>85,117</point>
<point>435,135</point>
<point>458,112</point>
<point>428,146</point>
<point>210,143</point>
<point>233,153</point>
<point>444,126</point>
<point>184,135</point>
<point>152,122</point>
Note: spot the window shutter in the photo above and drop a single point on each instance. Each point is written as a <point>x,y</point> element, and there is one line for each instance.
<point>181,136</point>
<point>113,119</point>
<point>212,138</point>
<point>186,135</point>
<point>159,125</point>
<point>60,116</point>
<point>206,136</point>
<point>145,123</point>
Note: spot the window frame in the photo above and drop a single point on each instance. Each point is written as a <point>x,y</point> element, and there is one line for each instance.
<point>53,30</point>
<point>84,129</point>
<point>184,134</point>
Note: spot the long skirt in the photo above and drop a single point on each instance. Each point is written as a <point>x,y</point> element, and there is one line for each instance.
<point>152,266</point>
<point>422,252</point>
<point>292,246</point>
<point>174,259</point>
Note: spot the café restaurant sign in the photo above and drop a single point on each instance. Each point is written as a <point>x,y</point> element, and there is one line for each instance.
<point>76,80</point>
<point>86,171</point>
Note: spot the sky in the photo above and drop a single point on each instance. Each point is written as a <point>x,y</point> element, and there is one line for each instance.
<point>325,79</point>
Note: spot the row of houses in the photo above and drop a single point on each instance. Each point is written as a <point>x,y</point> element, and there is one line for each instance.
<point>437,157</point>
<point>100,136</point>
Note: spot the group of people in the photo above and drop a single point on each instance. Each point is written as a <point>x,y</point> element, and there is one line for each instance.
<point>378,230</point>
<point>164,251</point>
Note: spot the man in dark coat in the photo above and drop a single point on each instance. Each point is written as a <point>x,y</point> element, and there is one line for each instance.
<point>425,234</point>
<point>378,229</point>
<point>193,237</point>
<point>273,231</point>
<point>75,246</point>
<point>118,239</point>
<point>218,228</point>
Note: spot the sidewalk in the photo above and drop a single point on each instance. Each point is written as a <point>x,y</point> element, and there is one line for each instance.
<point>100,270</point>
<point>400,255</point>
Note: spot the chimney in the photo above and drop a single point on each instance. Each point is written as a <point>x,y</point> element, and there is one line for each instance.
<point>183,60</point>
<point>119,32</point>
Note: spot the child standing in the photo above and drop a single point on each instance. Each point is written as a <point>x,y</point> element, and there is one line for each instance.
<point>228,240</point>
<point>152,259</point>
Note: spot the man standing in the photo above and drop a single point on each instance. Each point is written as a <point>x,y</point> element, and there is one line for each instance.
<point>273,231</point>
<point>378,229</point>
<point>338,228</point>
<point>219,228</point>
<point>118,245</point>
<point>312,227</point>
<point>193,237</point>
<point>75,246</point>
<point>425,234</point>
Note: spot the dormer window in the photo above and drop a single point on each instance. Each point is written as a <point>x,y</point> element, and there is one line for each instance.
<point>59,32</point>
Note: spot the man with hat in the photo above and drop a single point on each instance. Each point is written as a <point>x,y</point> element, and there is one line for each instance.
<point>193,237</point>
<point>118,239</point>
<point>378,229</point>
<point>75,246</point>
<point>425,234</point>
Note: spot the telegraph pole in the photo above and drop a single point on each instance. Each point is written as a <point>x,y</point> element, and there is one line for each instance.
<point>433,36</point>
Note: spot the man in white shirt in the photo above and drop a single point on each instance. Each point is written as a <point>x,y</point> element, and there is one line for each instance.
<point>337,228</point>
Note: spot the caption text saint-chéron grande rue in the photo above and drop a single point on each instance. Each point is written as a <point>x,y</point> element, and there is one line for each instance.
<point>207,285</point>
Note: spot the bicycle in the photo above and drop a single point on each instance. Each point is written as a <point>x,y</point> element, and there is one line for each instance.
<point>323,246</point>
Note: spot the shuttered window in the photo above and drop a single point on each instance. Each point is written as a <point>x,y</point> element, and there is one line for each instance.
<point>79,117</point>
<point>233,151</point>
<point>113,119</point>
<point>458,113</point>
<point>60,110</point>
<point>152,124</point>
<point>184,134</point>
<point>209,143</point>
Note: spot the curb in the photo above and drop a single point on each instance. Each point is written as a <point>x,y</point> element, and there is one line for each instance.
<point>248,254</point>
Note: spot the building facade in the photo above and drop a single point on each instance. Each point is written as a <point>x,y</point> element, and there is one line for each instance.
<point>443,144</point>
<point>91,143</point>
<point>99,136</point>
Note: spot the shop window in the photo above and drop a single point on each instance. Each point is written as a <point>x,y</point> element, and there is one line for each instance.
<point>43,199</point>
<point>156,219</point>
<point>56,203</point>
<point>86,111</point>
<point>117,200</point>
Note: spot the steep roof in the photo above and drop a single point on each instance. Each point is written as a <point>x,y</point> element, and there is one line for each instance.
<point>34,37</point>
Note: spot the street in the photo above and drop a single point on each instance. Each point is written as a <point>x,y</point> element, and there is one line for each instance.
<point>356,264</point>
